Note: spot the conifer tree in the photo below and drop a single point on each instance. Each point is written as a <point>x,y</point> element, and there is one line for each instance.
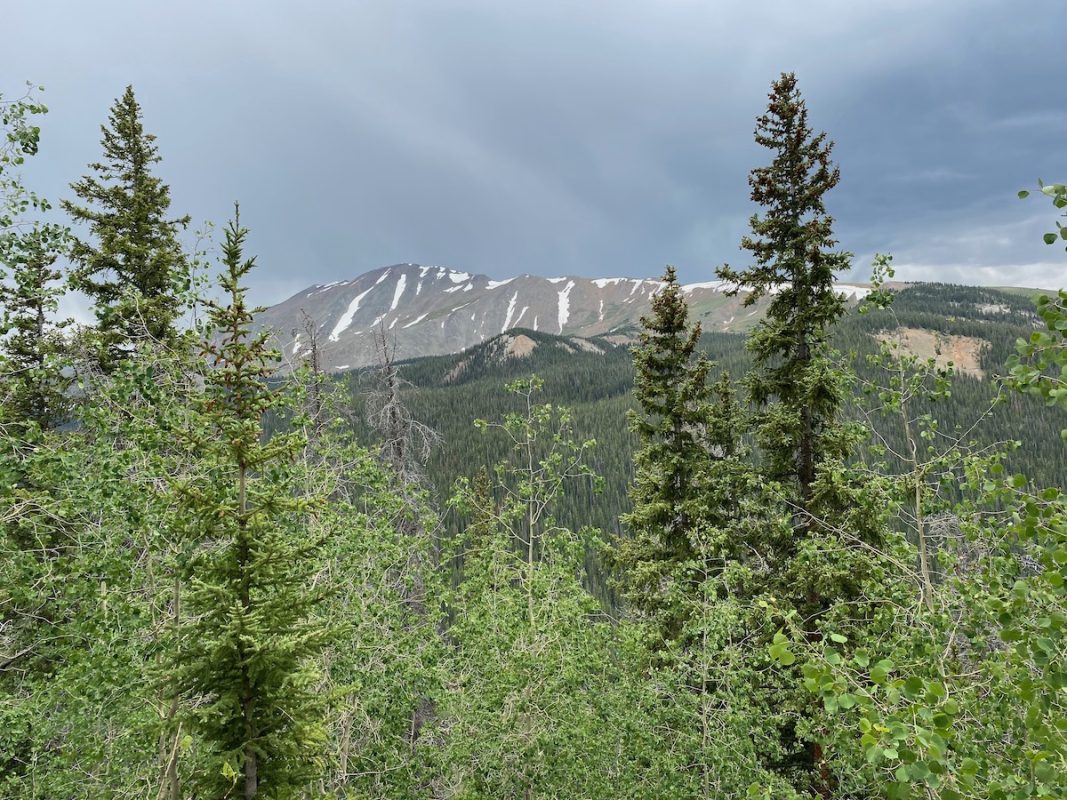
<point>793,384</point>
<point>32,348</point>
<point>819,574</point>
<point>695,567</point>
<point>670,386</point>
<point>33,384</point>
<point>133,268</point>
<point>246,651</point>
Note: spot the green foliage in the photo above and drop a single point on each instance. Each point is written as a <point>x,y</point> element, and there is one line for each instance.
<point>209,587</point>
<point>246,647</point>
<point>677,443</point>
<point>86,558</point>
<point>793,385</point>
<point>819,574</point>
<point>21,138</point>
<point>1040,368</point>
<point>381,669</point>
<point>960,695</point>
<point>535,687</point>
<point>133,268</point>
<point>34,386</point>
<point>33,349</point>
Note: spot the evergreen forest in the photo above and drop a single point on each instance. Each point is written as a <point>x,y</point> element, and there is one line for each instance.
<point>806,561</point>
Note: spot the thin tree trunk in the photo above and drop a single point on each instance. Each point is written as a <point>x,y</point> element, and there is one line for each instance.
<point>251,764</point>
<point>530,521</point>
<point>170,786</point>
<point>926,585</point>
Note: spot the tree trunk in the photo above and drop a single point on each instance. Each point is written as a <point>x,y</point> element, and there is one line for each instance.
<point>251,762</point>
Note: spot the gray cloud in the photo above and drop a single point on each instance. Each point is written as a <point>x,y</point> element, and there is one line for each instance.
<point>560,137</point>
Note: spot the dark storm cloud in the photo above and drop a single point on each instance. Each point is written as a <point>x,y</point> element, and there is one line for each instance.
<point>558,137</point>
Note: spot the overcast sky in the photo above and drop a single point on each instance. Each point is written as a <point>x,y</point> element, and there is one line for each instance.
<point>564,136</point>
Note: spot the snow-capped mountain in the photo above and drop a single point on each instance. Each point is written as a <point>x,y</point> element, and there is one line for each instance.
<point>431,310</point>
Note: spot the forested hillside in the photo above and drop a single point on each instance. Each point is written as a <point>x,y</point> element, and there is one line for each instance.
<point>812,561</point>
<point>448,393</point>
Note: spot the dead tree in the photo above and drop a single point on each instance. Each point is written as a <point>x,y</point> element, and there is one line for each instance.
<point>316,400</point>
<point>406,443</point>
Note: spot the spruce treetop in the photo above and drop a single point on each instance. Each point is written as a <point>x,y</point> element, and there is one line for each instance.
<point>792,240</point>
<point>796,388</point>
<point>133,267</point>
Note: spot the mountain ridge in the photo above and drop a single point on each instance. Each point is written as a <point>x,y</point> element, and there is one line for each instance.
<point>425,310</point>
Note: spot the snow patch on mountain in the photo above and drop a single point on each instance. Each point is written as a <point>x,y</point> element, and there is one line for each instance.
<point>715,286</point>
<point>496,284</point>
<point>565,305</point>
<point>400,284</point>
<point>511,310</point>
<point>415,321</point>
<point>346,319</point>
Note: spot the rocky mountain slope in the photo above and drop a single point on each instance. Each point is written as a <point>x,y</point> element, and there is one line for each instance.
<point>430,310</point>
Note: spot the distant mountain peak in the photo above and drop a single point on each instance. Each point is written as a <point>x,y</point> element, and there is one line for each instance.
<point>433,310</point>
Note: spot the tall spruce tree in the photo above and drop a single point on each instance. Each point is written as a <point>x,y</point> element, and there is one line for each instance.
<point>133,267</point>
<point>820,574</point>
<point>793,384</point>
<point>695,567</point>
<point>246,651</point>
<point>673,397</point>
